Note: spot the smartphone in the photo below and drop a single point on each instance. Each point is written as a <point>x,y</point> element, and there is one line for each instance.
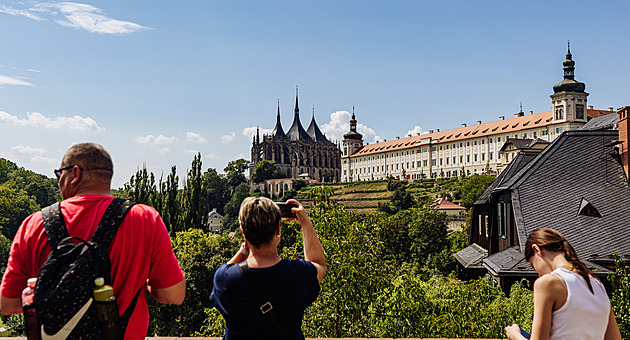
<point>285,209</point>
<point>525,334</point>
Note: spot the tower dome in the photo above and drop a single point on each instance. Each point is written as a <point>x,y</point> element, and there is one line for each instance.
<point>569,84</point>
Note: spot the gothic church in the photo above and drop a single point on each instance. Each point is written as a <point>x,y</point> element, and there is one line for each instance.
<point>299,153</point>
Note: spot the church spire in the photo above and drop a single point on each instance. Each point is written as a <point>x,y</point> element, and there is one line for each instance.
<point>569,64</point>
<point>314,132</point>
<point>278,131</point>
<point>297,109</point>
<point>569,84</point>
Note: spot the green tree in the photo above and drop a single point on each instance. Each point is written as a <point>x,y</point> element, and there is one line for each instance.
<point>473,187</point>
<point>43,189</point>
<point>170,211</point>
<point>15,206</point>
<point>194,208</point>
<point>230,221</point>
<point>141,188</point>
<point>621,297</point>
<point>266,170</point>
<point>6,167</point>
<point>199,256</point>
<point>217,191</point>
<point>235,172</point>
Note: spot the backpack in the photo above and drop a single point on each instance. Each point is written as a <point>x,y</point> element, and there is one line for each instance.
<point>65,283</point>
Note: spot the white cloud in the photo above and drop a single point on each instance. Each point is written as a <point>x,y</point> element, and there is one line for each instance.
<point>43,160</point>
<point>75,15</point>
<point>25,13</point>
<point>212,156</point>
<point>339,125</point>
<point>36,119</point>
<point>164,151</point>
<point>191,152</point>
<point>6,80</point>
<point>228,138</point>
<point>195,138</point>
<point>250,132</point>
<point>151,139</point>
<point>416,130</point>
<point>27,150</point>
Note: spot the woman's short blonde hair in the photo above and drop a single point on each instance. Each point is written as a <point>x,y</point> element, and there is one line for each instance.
<point>259,217</point>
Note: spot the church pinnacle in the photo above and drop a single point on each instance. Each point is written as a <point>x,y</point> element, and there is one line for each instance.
<point>569,84</point>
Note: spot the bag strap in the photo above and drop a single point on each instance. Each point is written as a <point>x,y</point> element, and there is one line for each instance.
<point>56,229</point>
<point>54,225</point>
<point>126,316</point>
<point>111,220</point>
<point>265,305</point>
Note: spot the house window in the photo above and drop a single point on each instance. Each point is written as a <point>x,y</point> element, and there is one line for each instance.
<point>475,142</point>
<point>535,134</point>
<point>489,140</point>
<point>502,219</point>
<point>487,226</point>
<point>498,139</point>
<point>454,160</point>
<point>490,155</point>
<point>475,157</point>
<point>558,130</point>
<point>544,132</point>
<point>480,225</point>
<point>418,164</point>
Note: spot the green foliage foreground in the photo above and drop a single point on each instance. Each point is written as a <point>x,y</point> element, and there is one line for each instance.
<point>370,292</point>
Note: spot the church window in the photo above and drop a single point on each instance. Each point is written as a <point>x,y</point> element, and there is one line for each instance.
<point>579,111</point>
<point>559,112</point>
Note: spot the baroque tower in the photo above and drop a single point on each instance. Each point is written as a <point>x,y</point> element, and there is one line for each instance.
<point>569,99</point>
<point>352,141</point>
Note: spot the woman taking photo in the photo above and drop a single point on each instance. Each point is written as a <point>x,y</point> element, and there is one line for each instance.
<point>569,303</point>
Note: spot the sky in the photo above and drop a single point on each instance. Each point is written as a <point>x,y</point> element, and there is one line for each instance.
<point>156,82</point>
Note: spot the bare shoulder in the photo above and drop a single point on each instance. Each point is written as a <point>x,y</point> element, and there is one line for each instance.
<point>550,283</point>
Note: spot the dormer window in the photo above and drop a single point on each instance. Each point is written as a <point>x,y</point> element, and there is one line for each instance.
<point>587,209</point>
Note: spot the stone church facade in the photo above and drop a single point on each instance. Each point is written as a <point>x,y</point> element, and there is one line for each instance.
<point>299,153</point>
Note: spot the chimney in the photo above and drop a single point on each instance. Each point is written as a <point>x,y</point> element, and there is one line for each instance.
<point>409,136</point>
<point>384,140</point>
<point>590,107</point>
<point>397,137</point>
<point>430,131</point>
<point>624,126</point>
<point>463,124</point>
<point>531,112</point>
<point>438,130</point>
<point>478,122</point>
<point>610,108</point>
<point>418,133</point>
<point>501,117</point>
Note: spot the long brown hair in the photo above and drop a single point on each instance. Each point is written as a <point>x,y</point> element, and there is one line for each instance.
<point>552,240</point>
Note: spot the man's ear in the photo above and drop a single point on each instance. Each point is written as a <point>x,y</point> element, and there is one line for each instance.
<point>77,173</point>
<point>278,231</point>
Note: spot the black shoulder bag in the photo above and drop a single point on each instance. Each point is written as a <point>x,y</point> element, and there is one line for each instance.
<point>265,305</point>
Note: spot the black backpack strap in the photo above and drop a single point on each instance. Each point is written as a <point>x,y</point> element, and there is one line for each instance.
<point>54,225</point>
<point>111,220</point>
<point>124,318</point>
<point>265,305</point>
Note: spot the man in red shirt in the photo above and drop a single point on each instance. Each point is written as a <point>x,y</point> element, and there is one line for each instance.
<point>141,253</point>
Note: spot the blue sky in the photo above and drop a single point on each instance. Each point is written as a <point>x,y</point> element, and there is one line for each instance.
<point>157,81</point>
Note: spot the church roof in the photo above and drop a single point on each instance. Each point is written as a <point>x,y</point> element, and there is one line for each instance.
<point>297,132</point>
<point>278,131</point>
<point>315,133</point>
<point>569,84</point>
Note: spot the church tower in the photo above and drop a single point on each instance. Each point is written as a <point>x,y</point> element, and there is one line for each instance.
<point>352,141</point>
<point>569,99</point>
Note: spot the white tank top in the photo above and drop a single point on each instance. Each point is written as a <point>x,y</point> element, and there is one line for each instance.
<point>584,315</point>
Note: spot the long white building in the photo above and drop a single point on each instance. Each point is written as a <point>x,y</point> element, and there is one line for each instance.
<point>473,149</point>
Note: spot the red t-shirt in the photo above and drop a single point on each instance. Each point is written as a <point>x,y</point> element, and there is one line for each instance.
<point>140,250</point>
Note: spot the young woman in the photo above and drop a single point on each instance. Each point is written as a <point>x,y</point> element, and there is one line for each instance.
<point>569,303</point>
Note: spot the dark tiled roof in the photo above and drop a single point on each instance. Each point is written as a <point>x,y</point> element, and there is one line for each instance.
<point>471,256</point>
<point>605,122</point>
<point>549,190</point>
<point>521,159</point>
<point>297,132</point>
<point>315,133</point>
<point>519,143</point>
<point>508,261</point>
<point>512,262</point>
